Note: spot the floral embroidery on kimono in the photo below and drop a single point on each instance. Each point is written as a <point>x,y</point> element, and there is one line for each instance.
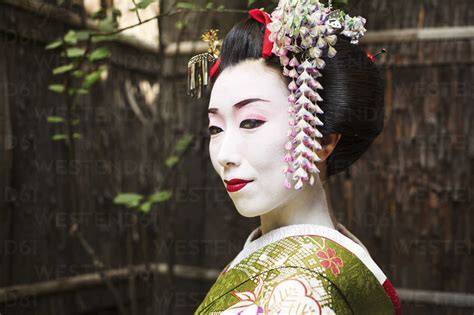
<point>301,269</point>
<point>290,296</point>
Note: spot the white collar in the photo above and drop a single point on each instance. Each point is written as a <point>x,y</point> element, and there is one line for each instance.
<point>256,233</point>
<point>256,241</point>
<point>253,235</point>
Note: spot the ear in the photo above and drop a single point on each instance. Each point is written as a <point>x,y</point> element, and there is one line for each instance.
<point>328,144</point>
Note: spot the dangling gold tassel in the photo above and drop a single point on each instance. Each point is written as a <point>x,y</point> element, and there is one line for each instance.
<point>198,75</point>
<point>199,65</point>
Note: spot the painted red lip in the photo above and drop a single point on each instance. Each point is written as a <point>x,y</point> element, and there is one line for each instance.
<point>236,184</point>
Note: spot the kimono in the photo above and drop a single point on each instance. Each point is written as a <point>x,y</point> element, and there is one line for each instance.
<point>301,269</point>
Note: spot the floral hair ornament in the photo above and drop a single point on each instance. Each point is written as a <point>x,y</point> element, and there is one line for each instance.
<point>302,31</point>
<point>202,67</point>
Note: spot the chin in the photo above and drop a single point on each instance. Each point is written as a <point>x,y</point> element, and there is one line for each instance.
<point>249,212</point>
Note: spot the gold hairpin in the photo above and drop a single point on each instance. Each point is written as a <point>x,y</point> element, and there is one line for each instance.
<point>199,65</point>
<point>212,39</point>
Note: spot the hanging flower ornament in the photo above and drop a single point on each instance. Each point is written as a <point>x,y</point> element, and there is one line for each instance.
<point>302,31</point>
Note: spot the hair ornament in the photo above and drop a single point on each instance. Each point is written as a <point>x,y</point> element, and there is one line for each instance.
<point>303,32</point>
<point>202,67</point>
<point>264,18</point>
<point>383,51</point>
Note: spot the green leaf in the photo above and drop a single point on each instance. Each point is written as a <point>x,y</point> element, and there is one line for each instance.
<point>107,25</point>
<point>76,135</point>
<point>209,5</point>
<point>221,7</point>
<point>185,5</point>
<point>78,74</point>
<point>59,137</point>
<point>63,69</point>
<point>71,37</point>
<point>160,196</point>
<point>58,88</point>
<point>55,44</point>
<point>184,142</point>
<point>55,119</point>
<point>75,122</point>
<point>128,199</point>
<point>99,53</point>
<point>82,91</point>
<point>91,78</point>
<point>99,15</point>
<point>83,35</point>
<point>75,52</point>
<point>146,207</point>
<point>172,161</point>
<point>179,25</point>
<point>116,13</point>
<point>251,2</point>
<point>104,38</point>
<point>144,4</point>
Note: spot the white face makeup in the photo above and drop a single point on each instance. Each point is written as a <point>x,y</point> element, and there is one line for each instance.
<point>248,123</point>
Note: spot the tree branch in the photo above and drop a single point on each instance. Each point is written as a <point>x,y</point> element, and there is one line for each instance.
<point>99,265</point>
<point>167,14</point>
<point>136,11</point>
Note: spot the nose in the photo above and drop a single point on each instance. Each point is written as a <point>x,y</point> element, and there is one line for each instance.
<point>229,153</point>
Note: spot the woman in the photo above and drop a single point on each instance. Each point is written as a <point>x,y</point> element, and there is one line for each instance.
<point>263,125</point>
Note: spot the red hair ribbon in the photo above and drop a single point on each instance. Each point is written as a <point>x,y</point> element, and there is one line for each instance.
<point>261,17</point>
<point>264,18</point>
<point>215,68</point>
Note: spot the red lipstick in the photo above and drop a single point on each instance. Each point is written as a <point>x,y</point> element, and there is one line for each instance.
<point>236,184</point>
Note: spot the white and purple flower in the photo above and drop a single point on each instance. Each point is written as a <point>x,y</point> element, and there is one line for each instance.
<point>301,31</point>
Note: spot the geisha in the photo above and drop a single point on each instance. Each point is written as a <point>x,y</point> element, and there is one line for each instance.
<point>295,101</point>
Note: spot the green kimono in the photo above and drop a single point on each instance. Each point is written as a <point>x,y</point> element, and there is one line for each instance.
<point>301,269</point>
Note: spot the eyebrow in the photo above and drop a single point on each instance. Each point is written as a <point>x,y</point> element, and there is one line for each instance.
<point>238,105</point>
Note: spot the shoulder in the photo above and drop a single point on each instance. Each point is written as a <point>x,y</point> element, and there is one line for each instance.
<point>326,272</point>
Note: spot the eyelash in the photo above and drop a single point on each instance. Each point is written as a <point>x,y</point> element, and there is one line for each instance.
<point>256,121</point>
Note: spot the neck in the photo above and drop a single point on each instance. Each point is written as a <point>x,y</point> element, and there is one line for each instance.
<point>310,206</point>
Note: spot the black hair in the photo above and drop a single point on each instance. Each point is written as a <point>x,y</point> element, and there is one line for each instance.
<point>353,90</point>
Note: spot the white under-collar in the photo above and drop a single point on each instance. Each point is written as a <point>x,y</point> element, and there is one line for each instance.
<point>256,233</point>
<point>253,235</point>
<point>256,241</point>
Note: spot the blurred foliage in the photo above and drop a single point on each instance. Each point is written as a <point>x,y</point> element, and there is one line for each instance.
<point>138,201</point>
<point>82,65</point>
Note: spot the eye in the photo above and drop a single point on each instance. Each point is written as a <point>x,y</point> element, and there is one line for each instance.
<point>214,130</point>
<point>247,124</point>
<point>251,123</point>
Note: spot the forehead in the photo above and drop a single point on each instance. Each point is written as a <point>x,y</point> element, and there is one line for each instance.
<point>248,79</point>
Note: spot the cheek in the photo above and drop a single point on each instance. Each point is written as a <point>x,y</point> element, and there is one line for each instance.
<point>268,154</point>
<point>213,151</point>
